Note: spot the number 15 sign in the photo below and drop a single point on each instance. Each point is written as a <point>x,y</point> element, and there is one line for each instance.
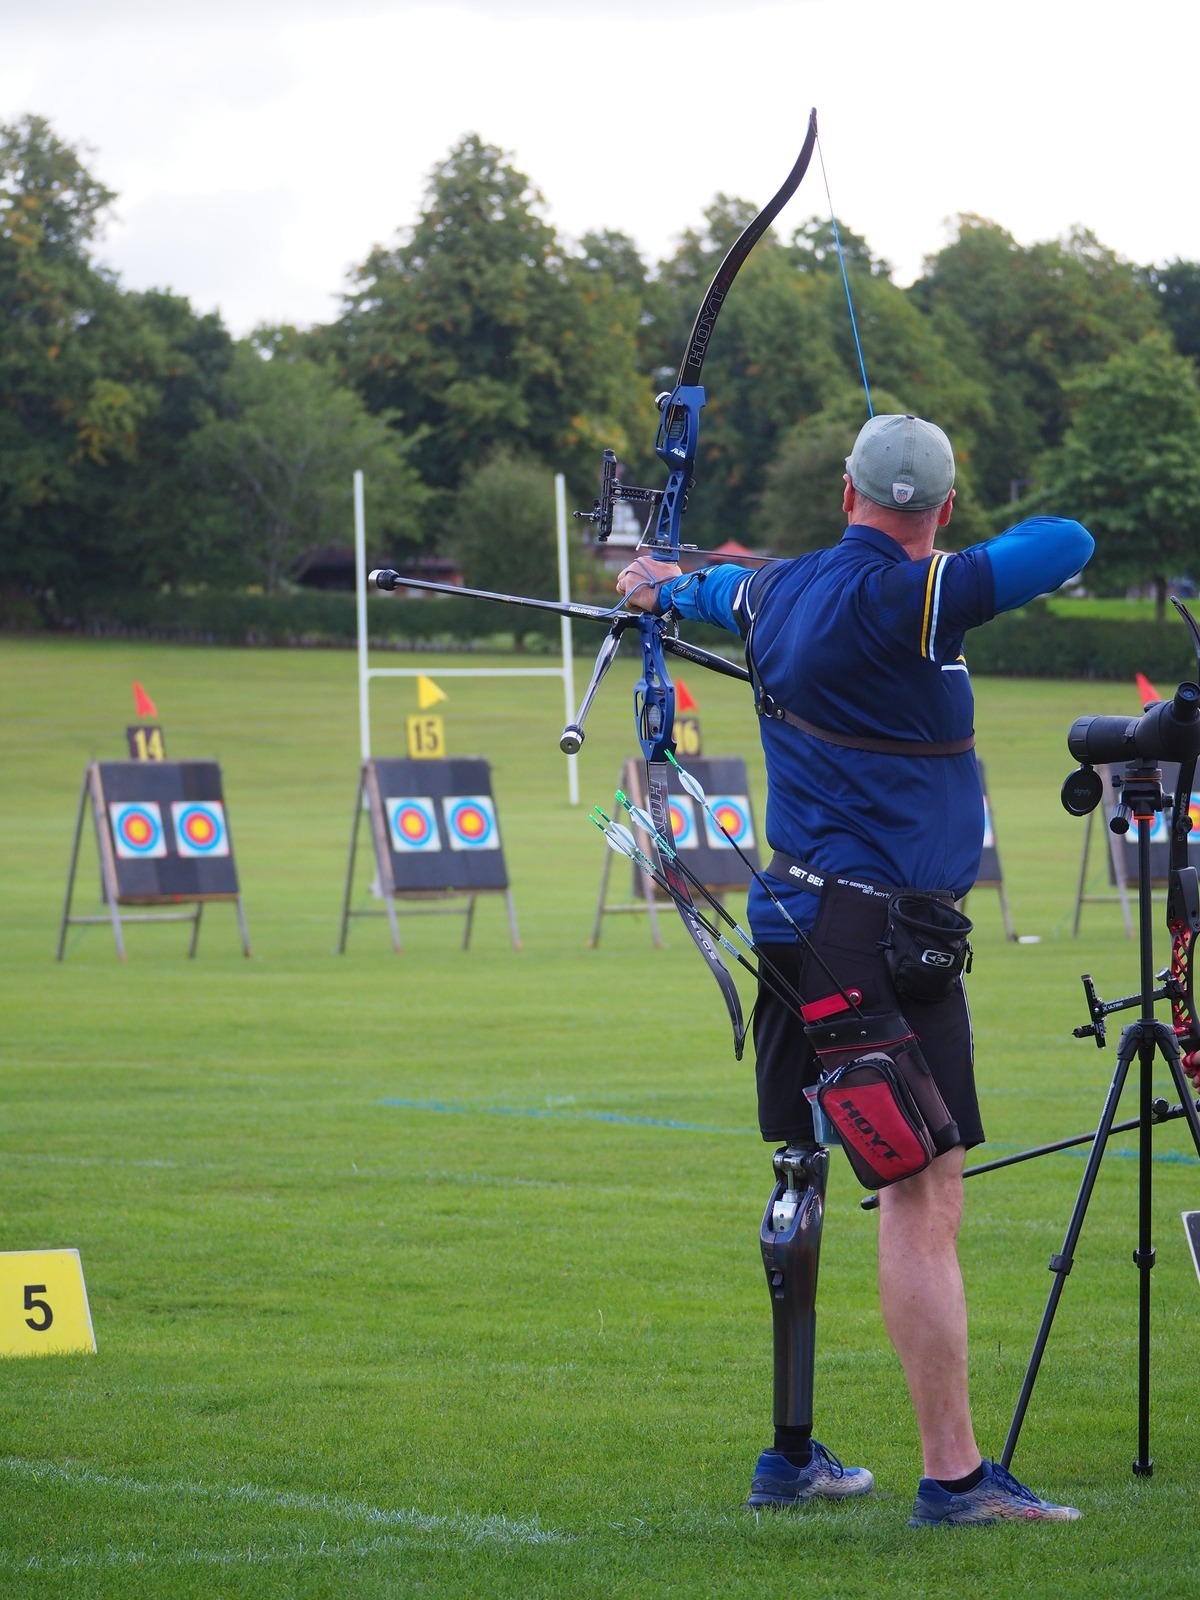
<point>43,1303</point>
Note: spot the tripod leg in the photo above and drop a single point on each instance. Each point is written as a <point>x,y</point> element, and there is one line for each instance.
<point>1061,1264</point>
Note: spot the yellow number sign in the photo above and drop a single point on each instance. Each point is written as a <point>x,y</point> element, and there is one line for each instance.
<point>43,1303</point>
<point>687,736</point>
<point>426,737</point>
<point>146,744</point>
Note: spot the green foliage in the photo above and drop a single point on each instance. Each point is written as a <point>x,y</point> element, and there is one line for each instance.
<point>1029,319</point>
<point>477,333</point>
<point>1129,465</point>
<point>502,529</point>
<point>278,469</point>
<point>1176,287</point>
<point>1037,642</point>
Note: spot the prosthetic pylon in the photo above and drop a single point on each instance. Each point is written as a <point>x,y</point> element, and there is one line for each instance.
<point>791,1250</point>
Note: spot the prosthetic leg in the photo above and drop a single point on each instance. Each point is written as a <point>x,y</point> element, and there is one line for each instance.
<point>791,1250</point>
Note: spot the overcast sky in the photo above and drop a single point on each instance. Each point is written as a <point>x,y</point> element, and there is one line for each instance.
<point>259,148</point>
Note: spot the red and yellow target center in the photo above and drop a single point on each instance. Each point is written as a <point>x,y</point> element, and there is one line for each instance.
<point>200,828</point>
<point>472,824</point>
<point>138,829</point>
<point>730,819</point>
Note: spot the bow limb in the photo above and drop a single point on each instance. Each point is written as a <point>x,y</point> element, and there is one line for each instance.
<point>1183,901</point>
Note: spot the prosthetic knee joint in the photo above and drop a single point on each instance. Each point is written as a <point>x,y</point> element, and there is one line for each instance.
<point>791,1250</point>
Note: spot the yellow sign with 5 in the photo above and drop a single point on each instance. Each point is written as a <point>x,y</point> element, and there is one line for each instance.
<point>43,1304</point>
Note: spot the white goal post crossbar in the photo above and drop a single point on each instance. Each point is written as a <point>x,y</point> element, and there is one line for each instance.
<point>565,672</point>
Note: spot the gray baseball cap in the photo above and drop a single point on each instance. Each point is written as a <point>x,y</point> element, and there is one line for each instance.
<point>902,462</point>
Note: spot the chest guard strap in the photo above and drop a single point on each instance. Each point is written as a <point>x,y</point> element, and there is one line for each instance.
<point>767,706</point>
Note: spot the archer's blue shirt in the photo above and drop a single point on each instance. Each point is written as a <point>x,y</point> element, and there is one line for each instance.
<point>864,641</point>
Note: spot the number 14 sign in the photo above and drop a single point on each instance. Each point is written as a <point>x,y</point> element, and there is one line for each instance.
<point>43,1304</point>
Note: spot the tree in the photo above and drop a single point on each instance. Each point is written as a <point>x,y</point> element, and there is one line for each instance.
<point>1129,465</point>
<point>502,528</point>
<point>1176,288</point>
<point>478,332</point>
<point>1026,320</point>
<point>277,470</point>
<point>98,390</point>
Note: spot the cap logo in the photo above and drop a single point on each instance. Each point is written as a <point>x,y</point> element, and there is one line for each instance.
<point>902,493</point>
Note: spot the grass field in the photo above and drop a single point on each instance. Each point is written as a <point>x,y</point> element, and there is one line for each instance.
<point>437,1273</point>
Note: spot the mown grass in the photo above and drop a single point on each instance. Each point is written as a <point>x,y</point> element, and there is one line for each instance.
<point>437,1273</point>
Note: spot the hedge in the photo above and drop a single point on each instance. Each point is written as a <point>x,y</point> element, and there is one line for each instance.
<point>1031,643</point>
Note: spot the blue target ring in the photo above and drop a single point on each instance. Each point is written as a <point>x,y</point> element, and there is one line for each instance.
<point>200,828</point>
<point>471,822</point>
<point>413,824</point>
<point>138,830</point>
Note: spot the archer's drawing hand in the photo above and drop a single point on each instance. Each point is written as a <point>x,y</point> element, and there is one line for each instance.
<point>640,581</point>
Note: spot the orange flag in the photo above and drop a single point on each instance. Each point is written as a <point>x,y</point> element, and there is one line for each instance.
<point>143,704</point>
<point>683,698</point>
<point>1147,693</point>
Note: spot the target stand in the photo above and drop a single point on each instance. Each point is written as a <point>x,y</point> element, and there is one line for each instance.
<point>991,873</point>
<point>163,840</point>
<point>1122,851</point>
<point>702,846</point>
<point>436,838</point>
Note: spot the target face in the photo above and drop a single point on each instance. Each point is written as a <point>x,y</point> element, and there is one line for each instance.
<point>989,838</point>
<point>200,827</point>
<point>137,829</point>
<point>412,823</point>
<point>732,811</point>
<point>683,821</point>
<point>471,822</point>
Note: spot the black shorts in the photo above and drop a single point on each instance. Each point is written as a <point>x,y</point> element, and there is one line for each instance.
<point>850,924</point>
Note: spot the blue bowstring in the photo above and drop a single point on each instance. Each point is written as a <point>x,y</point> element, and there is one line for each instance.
<point>837,239</point>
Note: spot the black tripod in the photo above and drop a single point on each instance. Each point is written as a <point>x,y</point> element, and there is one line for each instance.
<point>1141,800</point>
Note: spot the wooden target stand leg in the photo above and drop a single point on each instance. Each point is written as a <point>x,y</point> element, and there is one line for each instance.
<point>633,785</point>
<point>1118,872</point>
<point>109,886</point>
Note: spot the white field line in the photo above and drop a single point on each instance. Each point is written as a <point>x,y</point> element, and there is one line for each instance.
<point>460,1527</point>
<point>248,1555</point>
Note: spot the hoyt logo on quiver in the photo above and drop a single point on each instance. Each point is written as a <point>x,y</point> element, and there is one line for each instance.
<point>885,1136</point>
<point>878,1092</point>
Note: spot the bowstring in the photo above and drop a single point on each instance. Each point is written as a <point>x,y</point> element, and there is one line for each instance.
<point>837,239</point>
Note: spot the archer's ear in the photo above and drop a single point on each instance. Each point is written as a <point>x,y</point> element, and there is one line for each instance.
<point>947,509</point>
<point>847,494</point>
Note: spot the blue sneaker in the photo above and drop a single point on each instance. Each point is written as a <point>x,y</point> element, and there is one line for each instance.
<point>999,1498</point>
<point>778,1483</point>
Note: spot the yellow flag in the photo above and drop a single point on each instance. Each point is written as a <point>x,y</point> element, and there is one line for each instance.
<point>428,693</point>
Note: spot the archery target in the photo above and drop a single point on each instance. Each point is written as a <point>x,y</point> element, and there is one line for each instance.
<point>412,823</point>
<point>200,828</point>
<point>732,811</point>
<point>683,821</point>
<point>137,829</point>
<point>471,822</point>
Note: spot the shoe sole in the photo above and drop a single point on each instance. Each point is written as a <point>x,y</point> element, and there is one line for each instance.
<point>760,1498</point>
<point>987,1522</point>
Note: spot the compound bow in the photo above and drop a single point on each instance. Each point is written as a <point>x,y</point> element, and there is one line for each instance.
<point>654,693</point>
